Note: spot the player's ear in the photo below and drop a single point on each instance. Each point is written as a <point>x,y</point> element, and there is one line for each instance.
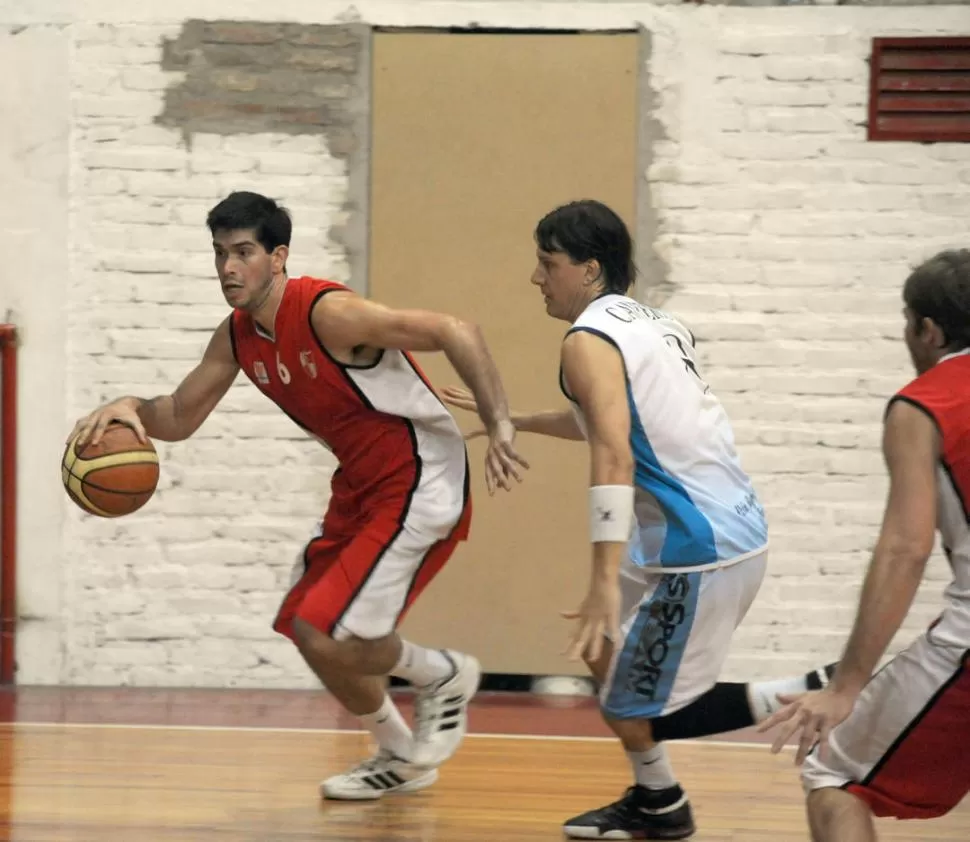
<point>280,253</point>
<point>593,271</point>
<point>934,333</point>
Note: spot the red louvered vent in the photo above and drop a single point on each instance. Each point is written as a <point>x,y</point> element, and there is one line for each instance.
<point>919,89</point>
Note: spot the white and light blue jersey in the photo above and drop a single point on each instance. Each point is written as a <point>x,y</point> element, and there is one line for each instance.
<point>695,506</point>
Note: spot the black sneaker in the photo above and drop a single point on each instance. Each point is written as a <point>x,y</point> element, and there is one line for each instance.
<point>640,814</point>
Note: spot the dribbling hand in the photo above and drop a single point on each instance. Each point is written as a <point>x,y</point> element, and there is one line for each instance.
<point>90,429</point>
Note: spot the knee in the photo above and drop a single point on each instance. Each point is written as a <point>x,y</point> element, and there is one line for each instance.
<point>354,654</point>
<point>635,734</point>
<point>314,643</point>
<point>834,814</point>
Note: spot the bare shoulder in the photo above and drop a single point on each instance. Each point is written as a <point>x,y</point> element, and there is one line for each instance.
<point>584,348</point>
<point>335,302</point>
<point>220,348</point>
<point>907,418</point>
<point>911,434</point>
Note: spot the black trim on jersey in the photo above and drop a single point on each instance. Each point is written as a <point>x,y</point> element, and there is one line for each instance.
<point>427,384</point>
<point>340,366</point>
<point>605,337</point>
<point>956,489</point>
<point>562,386</point>
<point>331,357</point>
<point>232,337</point>
<point>405,511</point>
<point>377,362</point>
<point>466,493</point>
<point>595,332</point>
<point>964,663</point>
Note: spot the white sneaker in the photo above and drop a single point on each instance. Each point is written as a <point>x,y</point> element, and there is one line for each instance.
<point>441,712</point>
<point>384,773</point>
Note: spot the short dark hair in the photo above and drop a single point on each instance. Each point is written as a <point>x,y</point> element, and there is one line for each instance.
<point>939,289</point>
<point>243,210</point>
<point>589,230</point>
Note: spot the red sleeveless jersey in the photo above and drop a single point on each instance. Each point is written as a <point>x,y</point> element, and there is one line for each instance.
<point>943,393</point>
<point>383,422</point>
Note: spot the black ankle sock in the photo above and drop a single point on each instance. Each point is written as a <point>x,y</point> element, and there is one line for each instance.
<point>657,799</point>
<point>817,679</point>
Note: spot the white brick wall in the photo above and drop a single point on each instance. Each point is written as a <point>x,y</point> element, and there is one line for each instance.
<point>183,592</point>
<point>787,236</point>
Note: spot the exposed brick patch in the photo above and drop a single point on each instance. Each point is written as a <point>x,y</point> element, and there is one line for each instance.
<point>252,77</point>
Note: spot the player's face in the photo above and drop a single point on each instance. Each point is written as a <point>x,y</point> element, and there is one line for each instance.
<point>244,267</point>
<point>564,285</point>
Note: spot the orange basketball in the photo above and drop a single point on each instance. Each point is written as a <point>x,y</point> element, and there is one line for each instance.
<point>113,478</point>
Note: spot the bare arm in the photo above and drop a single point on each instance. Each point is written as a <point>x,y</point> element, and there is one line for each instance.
<point>557,423</point>
<point>176,416</point>
<point>595,373</point>
<point>346,321</point>
<point>911,449</point>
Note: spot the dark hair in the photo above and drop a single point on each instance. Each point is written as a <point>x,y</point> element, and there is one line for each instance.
<point>939,289</point>
<point>589,230</point>
<point>241,211</point>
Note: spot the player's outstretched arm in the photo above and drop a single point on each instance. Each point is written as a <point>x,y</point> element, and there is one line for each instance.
<point>345,321</point>
<point>911,445</point>
<point>911,448</point>
<point>557,423</point>
<point>170,417</point>
<point>595,375</point>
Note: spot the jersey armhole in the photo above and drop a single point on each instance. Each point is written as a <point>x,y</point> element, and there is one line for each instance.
<point>232,337</point>
<point>323,348</point>
<point>914,403</point>
<point>604,336</point>
<point>562,387</point>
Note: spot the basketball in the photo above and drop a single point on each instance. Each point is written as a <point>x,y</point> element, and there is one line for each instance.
<point>113,478</point>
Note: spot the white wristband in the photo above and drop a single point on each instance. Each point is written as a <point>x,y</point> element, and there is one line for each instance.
<point>610,513</point>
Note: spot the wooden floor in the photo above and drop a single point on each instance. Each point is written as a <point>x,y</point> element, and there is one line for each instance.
<point>69,780</point>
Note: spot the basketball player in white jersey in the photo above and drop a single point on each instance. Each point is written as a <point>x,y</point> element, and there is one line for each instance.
<point>678,534</point>
<point>898,743</point>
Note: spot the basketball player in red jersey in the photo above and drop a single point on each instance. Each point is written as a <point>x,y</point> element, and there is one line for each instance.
<point>339,366</point>
<point>895,744</point>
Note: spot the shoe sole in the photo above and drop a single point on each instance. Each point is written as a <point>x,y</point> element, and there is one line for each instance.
<point>595,833</point>
<point>413,785</point>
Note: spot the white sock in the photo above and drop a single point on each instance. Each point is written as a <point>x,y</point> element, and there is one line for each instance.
<point>422,666</point>
<point>763,695</point>
<point>651,768</point>
<point>389,729</point>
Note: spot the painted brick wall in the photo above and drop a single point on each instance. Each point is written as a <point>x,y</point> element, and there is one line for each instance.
<point>183,593</point>
<point>786,238</point>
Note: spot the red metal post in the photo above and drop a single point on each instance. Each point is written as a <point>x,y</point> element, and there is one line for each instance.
<point>8,494</point>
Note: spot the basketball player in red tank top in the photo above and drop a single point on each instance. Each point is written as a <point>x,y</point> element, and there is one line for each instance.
<point>339,366</point>
<point>896,743</point>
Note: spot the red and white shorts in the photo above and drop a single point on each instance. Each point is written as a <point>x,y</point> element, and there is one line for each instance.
<point>361,583</point>
<point>904,748</point>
